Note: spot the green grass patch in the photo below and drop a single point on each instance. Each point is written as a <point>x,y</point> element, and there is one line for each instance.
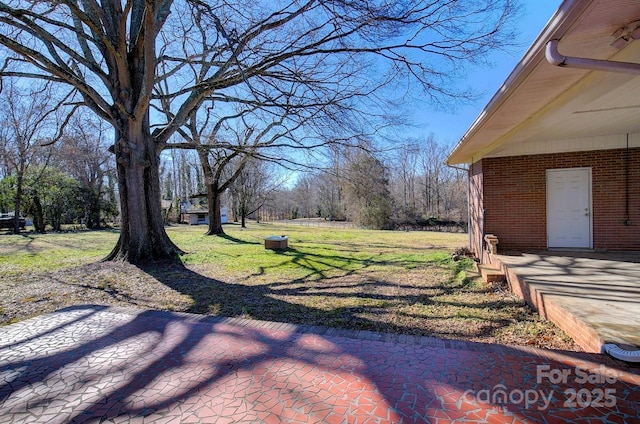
<point>313,252</point>
<point>319,252</point>
<point>401,282</point>
<point>49,252</point>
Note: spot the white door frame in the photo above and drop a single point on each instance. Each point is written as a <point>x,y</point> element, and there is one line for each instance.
<point>590,201</point>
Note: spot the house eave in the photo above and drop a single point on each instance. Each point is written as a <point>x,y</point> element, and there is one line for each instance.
<point>498,124</point>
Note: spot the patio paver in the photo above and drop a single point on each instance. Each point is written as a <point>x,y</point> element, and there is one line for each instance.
<point>101,364</point>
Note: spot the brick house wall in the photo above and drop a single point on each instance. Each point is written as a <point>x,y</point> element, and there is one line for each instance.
<point>512,191</point>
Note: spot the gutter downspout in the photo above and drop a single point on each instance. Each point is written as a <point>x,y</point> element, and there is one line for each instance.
<point>627,188</point>
<point>622,354</point>
<point>555,58</point>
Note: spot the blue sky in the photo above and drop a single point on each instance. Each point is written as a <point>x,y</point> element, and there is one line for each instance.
<point>449,127</point>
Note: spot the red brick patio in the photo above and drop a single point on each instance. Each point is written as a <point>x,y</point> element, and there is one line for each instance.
<point>96,364</point>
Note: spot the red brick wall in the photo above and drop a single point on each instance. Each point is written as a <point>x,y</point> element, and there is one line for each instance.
<point>514,196</point>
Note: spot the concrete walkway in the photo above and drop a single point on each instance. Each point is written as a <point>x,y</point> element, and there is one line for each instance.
<point>98,364</point>
<point>595,297</point>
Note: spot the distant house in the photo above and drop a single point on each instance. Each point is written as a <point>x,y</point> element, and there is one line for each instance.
<point>554,157</point>
<point>199,217</point>
<point>194,217</point>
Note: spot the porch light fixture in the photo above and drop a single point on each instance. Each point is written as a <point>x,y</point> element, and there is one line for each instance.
<point>622,36</point>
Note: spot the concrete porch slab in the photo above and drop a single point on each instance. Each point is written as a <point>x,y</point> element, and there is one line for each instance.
<point>594,297</point>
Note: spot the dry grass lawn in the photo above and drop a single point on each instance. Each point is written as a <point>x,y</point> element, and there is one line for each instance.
<point>402,282</point>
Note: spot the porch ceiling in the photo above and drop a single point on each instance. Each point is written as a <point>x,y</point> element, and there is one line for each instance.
<point>541,102</point>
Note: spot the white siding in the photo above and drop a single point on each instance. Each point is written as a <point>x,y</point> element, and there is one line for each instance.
<point>618,141</point>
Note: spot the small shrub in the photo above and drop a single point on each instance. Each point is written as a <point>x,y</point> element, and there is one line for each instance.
<point>461,253</point>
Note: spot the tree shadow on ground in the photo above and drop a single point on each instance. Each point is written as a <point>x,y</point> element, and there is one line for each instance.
<point>235,240</point>
<point>324,265</point>
<point>157,363</point>
<point>90,363</point>
<point>330,294</point>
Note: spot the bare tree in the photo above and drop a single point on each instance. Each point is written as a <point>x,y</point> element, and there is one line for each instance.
<point>27,121</point>
<point>366,187</point>
<point>330,184</point>
<point>252,188</point>
<point>108,51</point>
<point>454,194</point>
<point>432,166</point>
<point>304,194</point>
<point>405,167</point>
<point>82,153</point>
<point>225,148</point>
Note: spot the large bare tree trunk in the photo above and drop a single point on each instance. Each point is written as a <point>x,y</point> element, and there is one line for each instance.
<point>243,215</point>
<point>38,215</point>
<point>213,194</point>
<point>215,218</point>
<point>142,235</point>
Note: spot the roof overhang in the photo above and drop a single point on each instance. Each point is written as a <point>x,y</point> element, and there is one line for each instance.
<point>540,102</point>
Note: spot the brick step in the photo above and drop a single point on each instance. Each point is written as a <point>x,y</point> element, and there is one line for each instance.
<point>491,274</point>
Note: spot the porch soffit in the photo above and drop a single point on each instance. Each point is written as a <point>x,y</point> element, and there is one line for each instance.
<point>547,102</point>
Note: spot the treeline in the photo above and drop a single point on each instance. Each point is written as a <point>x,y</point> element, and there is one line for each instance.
<point>407,187</point>
<point>70,178</point>
<point>72,181</point>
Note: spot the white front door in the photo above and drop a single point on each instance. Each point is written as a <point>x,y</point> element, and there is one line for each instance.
<point>569,207</point>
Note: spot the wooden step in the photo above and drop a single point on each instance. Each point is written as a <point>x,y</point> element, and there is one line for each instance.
<point>491,274</point>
